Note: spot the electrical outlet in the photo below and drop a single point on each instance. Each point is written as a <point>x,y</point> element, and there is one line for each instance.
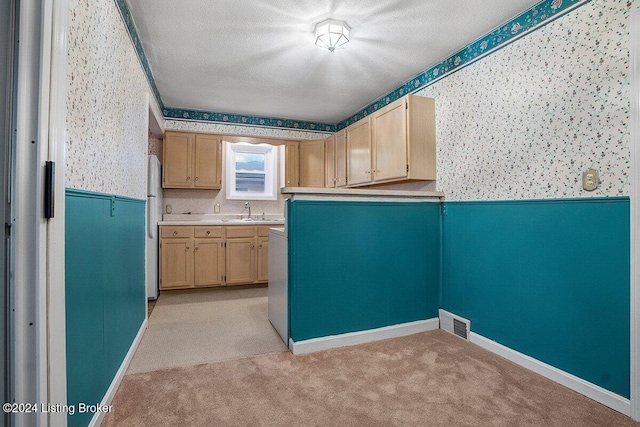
<point>216,208</point>
<point>590,180</point>
<point>168,209</point>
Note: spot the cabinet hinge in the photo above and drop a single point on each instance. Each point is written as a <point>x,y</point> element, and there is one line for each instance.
<point>406,105</point>
<point>407,168</point>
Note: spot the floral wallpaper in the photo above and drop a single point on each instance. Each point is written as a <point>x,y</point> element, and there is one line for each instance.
<point>528,120</point>
<point>230,129</point>
<point>107,107</point>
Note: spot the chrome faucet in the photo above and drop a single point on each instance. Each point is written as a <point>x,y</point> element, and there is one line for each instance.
<point>247,205</point>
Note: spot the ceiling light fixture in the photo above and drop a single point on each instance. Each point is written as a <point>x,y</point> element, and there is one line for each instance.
<point>332,34</point>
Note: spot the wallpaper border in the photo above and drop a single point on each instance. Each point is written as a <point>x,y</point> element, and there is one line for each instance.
<point>528,21</point>
<point>241,119</point>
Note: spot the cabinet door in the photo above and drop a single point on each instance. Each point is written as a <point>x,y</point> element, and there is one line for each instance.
<point>292,164</point>
<point>263,259</point>
<point>240,260</point>
<point>340,154</point>
<point>208,262</point>
<point>329,163</point>
<point>207,161</point>
<point>177,160</point>
<point>176,263</point>
<point>312,163</point>
<point>359,152</point>
<point>389,126</point>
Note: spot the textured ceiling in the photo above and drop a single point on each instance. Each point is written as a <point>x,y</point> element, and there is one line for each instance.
<point>259,58</point>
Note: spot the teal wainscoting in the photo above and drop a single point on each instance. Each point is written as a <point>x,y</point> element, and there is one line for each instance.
<point>549,279</point>
<point>355,266</point>
<point>105,290</point>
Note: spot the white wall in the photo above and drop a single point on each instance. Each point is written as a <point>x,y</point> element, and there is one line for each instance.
<point>229,129</point>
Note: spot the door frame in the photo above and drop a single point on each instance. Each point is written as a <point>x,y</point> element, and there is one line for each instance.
<point>38,243</point>
<point>7,76</point>
<point>634,98</point>
<point>55,247</point>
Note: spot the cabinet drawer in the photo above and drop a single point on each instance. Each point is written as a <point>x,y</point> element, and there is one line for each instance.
<point>177,232</point>
<point>204,232</point>
<point>263,231</point>
<point>241,231</point>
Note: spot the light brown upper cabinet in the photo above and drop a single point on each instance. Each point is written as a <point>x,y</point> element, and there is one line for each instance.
<point>359,152</point>
<point>329,163</point>
<point>340,157</point>
<point>192,160</point>
<point>312,163</point>
<point>292,164</point>
<point>335,156</point>
<point>401,146</point>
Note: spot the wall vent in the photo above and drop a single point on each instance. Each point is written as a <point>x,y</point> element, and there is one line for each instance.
<point>460,328</point>
<point>454,324</point>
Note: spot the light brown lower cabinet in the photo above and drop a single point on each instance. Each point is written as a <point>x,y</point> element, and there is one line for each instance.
<point>208,262</point>
<point>193,257</point>
<point>263,259</point>
<point>177,263</point>
<point>240,260</point>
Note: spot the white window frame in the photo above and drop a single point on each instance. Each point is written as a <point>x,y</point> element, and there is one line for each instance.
<point>270,170</point>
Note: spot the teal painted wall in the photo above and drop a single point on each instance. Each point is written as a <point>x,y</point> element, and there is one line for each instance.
<point>549,279</point>
<point>105,290</point>
<point>355,266</point>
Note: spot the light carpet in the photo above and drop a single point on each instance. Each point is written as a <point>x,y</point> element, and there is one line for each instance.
<point>426,379</point>
<point>199,326</point>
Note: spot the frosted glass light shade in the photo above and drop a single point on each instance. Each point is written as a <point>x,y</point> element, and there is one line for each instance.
<point>332,34</point>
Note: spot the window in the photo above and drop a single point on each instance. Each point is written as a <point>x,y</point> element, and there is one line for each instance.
<point>251,171</point>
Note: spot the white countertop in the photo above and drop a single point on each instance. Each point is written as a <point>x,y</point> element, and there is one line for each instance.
<point>217,219</point>
<point>222,222</point>
<point>362,192</point>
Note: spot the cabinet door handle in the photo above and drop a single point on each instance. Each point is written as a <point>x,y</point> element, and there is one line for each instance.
<point>196,249</point>
<point>188,178</point>
<point>252,246</point>
<point>208,232</point>
<point>175,233</point>
<point>197,178</point>
<point>187,248</point>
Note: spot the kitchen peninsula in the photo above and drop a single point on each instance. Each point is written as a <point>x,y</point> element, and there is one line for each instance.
<point>362,265</point>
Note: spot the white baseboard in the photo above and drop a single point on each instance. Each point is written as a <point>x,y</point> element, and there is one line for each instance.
<point>361,337</point>
<point>111,392</point>
<point>579,385</point>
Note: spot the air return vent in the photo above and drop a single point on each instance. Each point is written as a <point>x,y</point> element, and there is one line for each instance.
<point>455,324</point>
<point>460,328</point>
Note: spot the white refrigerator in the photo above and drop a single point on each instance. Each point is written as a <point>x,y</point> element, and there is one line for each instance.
<point>154,214</point>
